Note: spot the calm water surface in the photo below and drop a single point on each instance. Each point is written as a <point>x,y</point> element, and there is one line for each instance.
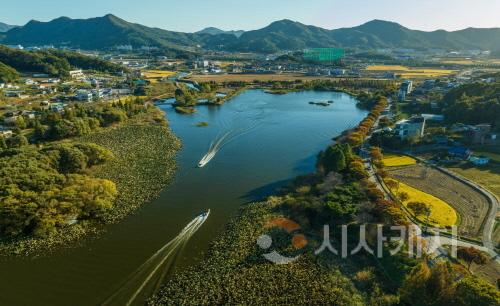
<point>264,140</point>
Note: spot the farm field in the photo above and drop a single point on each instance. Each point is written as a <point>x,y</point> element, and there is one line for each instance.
<point>398,160</point>
<point>471,206</point>
<point>408,72</point>
<point>154,75</point>
<point>220,78</point>
<point>442,214</point>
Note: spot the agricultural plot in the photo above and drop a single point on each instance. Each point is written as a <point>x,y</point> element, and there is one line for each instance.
<point>398,160</point>
<point>471,206</point>
<point>409,72</point>
<point>442,214</point>
<point>154,75</point>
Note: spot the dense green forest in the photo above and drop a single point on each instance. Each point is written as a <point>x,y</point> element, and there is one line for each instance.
<point>53,62</point>
<point>42,190</point>
<point>474,104</point>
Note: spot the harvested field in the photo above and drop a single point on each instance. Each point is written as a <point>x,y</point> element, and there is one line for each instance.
<point>471,206</point>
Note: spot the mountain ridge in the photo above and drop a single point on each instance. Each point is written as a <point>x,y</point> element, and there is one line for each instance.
<point>110,31</point>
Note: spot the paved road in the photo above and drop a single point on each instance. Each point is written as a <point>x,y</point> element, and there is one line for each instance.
<point>435,243</point>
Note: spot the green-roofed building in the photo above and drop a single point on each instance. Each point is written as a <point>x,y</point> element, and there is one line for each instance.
<point>324,55</point>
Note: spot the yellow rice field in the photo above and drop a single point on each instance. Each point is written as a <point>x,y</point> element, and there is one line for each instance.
<point>442,214</point>
<point>409,72</point>
<point>157,74</point>
<point>398,161</point>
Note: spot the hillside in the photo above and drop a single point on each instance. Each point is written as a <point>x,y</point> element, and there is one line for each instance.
<point>216,31</point>
<point>96,33</point>
<point>5,27</point>
<point>110,31</point>
<point>52,62</point>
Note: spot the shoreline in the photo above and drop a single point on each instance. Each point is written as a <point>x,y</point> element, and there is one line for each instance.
<point>140,175</point>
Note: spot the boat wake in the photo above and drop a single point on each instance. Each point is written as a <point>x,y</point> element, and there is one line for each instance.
<point>147,279</point>
<point>224,138</point>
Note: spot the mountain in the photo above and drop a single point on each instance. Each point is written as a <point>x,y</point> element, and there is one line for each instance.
<point>216,31</point>
<point>110,31</point>
<point>283,35</point>
<point>290,35</point>
<point>5,27</point>
<point>96,33</point>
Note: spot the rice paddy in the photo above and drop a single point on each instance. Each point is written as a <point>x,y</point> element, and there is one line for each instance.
<point>410,72</point>
<point>398,161</point>
<point>442,214</point>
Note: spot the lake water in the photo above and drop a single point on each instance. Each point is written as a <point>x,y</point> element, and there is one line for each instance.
<point>262,141</point>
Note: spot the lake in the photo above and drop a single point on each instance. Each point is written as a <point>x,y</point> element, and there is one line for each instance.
<point>261,141</point>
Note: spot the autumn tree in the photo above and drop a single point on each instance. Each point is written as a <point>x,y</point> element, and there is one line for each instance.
<point>472,255</point>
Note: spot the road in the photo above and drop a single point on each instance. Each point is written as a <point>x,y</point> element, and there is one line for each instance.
<point>435,243</point>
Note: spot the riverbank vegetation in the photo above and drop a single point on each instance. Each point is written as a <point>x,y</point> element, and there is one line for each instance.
<point>339,193</point>
<point>76,170</point>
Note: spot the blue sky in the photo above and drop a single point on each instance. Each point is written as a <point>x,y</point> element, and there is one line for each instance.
<point>193,15</point>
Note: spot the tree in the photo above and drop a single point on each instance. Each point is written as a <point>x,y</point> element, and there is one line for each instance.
<point>3,143</point>
<point>419,208</point>
<point>376,153</point>
<point>403,196</point>
<point>392,184</point>
<point>17,141</point>
<point>425,286</point>
<point>334,159</point>
<point>475,291</point>
<point>20,123</point>
<point>472,255</point>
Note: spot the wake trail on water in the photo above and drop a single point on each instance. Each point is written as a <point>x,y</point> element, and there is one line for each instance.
<point>147,279</point>
<point>224,138</point>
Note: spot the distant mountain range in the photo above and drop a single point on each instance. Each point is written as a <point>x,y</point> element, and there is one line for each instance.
<point>5,27</point>
<point>216,31</point>
<point>110,31</point>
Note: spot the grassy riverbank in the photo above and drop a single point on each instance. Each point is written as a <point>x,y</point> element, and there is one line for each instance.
<point>234,272</point>
<point>143,163</point>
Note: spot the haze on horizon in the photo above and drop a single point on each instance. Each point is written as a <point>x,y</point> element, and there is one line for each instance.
<point>186,16</point>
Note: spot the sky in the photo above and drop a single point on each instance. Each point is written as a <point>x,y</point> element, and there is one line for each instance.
<point>194,15</point>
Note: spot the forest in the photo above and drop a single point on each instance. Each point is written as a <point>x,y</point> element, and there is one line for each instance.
<point>52,62</point>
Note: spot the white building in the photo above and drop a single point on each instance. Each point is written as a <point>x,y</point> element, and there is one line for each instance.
<point>84,95</point>
<point>76,74</point>
<point>412,127</point>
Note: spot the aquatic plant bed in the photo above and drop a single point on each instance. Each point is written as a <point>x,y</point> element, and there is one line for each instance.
<point>144,164</point>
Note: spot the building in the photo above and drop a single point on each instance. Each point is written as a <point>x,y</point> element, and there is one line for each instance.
<point>460,152</point>
<point>479,160</point>
<point>405,89</point>
<point>76,74</point>
<point>5,132</point>
<point>412,127</point>
<point>478,134</point>
<point>325,55</point>
<point>84,95</point>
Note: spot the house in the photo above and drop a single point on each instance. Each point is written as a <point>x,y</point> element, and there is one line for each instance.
<point>412,127</point>
<point>84,95</point>
<point>5,132</point>
<point>478,134</point>
<point>76,74</point>
<point>479,160</point>
<point>460,152</point>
